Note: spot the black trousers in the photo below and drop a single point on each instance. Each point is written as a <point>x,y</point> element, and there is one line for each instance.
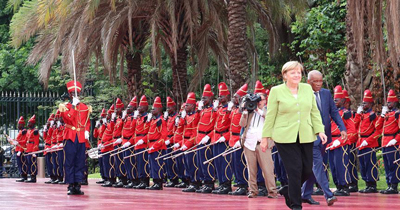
<point>298,161</point>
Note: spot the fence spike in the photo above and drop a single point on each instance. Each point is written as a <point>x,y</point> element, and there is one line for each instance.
<point>14,93</point>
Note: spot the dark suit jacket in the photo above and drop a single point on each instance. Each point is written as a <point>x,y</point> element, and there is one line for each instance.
<point>328,112</point>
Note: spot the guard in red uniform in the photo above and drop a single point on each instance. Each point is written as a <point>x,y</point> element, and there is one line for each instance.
<point>97,134</point>
<point>221,138</point>
<point>127,132</point>
<point>60,153</point>
<point>339,153</point>
<point>170,164</point>
<point>177,140</point>
<point>117,137</point>
<point>77,125</point>
<point>20,144</point>
<point>156,143</point>
<point>141,130</point>
<point>207,117</point>
<point>47,134</point>
<point>54,145</point>
<point>107,145</point>
<point>238,158</point>
<point>32,142</point>
<point>190,120</point>
<point>365,121</point>
<point>388,125</point>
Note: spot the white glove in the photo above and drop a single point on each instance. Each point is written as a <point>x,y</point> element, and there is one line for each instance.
<point>113,116</point>
<point>176,145</point>
<point>97,124</point>
<point>204,140</point>
<point>200,105</point>
<point>45,128</point>
<point>183,114</point>
<point>230,105</point>
<point>51,123</point>
<point>167,142</point>
<point>118,141</point>
<point>364,143</point>
<point>54,146</point>
<point>177,121</point>
<point>19,154</point>
<point>221,139</point>
<point>237,145</point>
<point>391,143</point>
<point>124,114</point>
<point>184,147</point>
<point>140,142</point>
<point>87,135</point>
<point>104,121</point>
<point>34,155</point>
<point>336,143</point>
<point>15,142</point>
<point>215,104</point>
<point>58,124</point>
<point>127,144</point>
<point>165,115</point>
<point>135,114</point>
<point>100,146</point>
<point>385,109</point>
<point>75,101</point>
<point>60,145</point>
<point>360,110</point>
<point>149,116</point>
<point>151,148</point>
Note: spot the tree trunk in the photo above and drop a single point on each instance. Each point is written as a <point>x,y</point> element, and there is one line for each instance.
<point>237,55</point>
<point>134,65</point>
<point>179,74</point>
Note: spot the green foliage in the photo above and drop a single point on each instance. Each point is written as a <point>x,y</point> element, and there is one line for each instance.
<point>320,40</point>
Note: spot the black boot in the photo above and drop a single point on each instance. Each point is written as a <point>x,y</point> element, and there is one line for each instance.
<point>192,187</point>
<point>208,187</point>
<point>31,180</point>
<point>183,184</point>
<point>157,185</point>
<point>226,188</point>
<point>71,189</point>
<point>341,191</point>
<point>370,188</point>
<point>109,183</point>
<point>123,181</point>
<point>353,187</point>
<point>143,184</point>
<point>23,178</point>
<point>241,190</point>
<point>392,189</point>
<point>78,191</point>
<point>172,183</point>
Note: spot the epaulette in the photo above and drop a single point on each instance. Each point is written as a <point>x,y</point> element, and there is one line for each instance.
<point>62,107</point>
<point>36,132</point>
<point>372,116</point>
<point>396,115</point>
<point>24,132</point>
<point>347,115</point>
<point>90,108</point>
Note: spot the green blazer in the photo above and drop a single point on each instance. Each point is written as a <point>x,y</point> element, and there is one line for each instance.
<point>288,117</point>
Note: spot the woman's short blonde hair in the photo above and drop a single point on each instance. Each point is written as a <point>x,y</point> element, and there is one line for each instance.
<point>291,65</point>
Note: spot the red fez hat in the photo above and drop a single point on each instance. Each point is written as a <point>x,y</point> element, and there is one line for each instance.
<point>143,101</point>
<point>242,90</point>
<point>51,118</point>
<point>392,96</point>
<point>111,110</point>
<point>103,113</point>
<point>33,119</point>
<point>346,95</point>
<point>368,96</point>
<point>21,120</point>
<point>267,92</point>
<point>157,102</point>
<point>170,102</point>
<point>119,104</point>
<point>259,87</point>
<point>338,92</point>
<point>58,113</point>
<point>71,86</point>
<point>207,90</point>
<point>191,98</point>
<point>223,89</point>
<point>133,102</point>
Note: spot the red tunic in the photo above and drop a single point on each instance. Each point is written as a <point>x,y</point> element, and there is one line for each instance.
<point>235,127</point>
<point>54,137</point>
<point>21,139</point>
<point>207,118</point>
<point>350,127</point>
<point>157,134</point>
<point>32,137</point>
<point>107,138</point>
<point>178,135</point>
<point>141,129</point>
<point>389,127</point>
<point>129,129</point>
<point>190,129</point>
<point>60,134</point>
<point>171,127</point>
<point>76,122</point>
<point>117,133</point>
<point>100,133</point>
<point>365,122</point>
<point>222,124</point>
<point>47,138</point>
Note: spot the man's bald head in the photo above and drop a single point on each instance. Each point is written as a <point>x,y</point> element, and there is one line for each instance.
<point>315,79</point>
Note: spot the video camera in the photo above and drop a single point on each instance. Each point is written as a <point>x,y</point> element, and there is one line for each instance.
<point>251,101</point>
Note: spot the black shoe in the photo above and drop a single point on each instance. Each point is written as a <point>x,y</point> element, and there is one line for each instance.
<point>107,184</point>
<point>392,189</point>
<point>101,181</point>
<point>191,188</point>
<point>285,192</point>
<point>310,201</point>
<point>21,180</point>
<point>353,188</point>
<point>224,190</point>
<point>208,188</point>
<point>331,200</point>
<point>62,182</point>
<point>119,185</point>
<point>156,186</point>
<point>200,189</point>
<point>78,189</point>
<point>31,180</point>
<point>369,189</point>
<point>85,183</point>
<point>318,191</point>
<point>341,192</point>
<point>141,186</point>
<point>55,181</point>
<point>262,191</point>
<point>49,182</point>
<point>239,191</point>
<point>130,185</point>
<point>169,184</point>
<point>181,185</point>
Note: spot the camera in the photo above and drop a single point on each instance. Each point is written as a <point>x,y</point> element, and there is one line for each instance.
<point>251,101</point>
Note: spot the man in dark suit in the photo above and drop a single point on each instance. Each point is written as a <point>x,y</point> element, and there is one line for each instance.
<point>328,111</point>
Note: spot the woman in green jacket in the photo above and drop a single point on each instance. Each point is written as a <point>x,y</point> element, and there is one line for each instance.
<point>293,121</point>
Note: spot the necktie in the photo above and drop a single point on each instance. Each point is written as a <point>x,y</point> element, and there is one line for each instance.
<point>318,100</point>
